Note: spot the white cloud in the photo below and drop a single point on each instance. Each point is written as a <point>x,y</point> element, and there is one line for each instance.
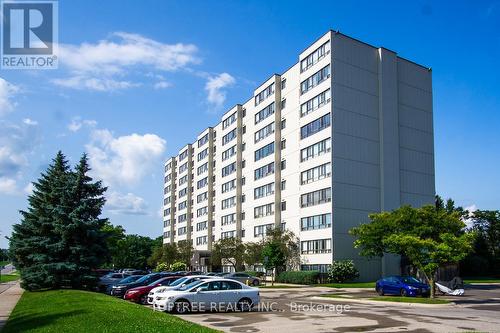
<point>215,89</point>
<point>8,185</point>
<point>28,189</point>
<point>77,123</point>
<point>30,122</point>
<point>7,90</point>
<point>162,85</point>
<point>16,144</point>
<point>129,204</point>
<point>471,209</point>
<point>124,159</point>
<point>102,66</point>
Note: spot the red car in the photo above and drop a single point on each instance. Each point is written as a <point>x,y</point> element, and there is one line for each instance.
<point>140,294</point>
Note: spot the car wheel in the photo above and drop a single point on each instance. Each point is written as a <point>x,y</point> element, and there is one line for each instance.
<point>255,283</point>
<point>380,291</point>
<point>143,300</point>
<point>402,292</point>
<point>245,305</point>
<point>182,306</point>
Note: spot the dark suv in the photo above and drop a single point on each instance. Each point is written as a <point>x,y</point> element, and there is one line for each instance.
<point>120,289</point>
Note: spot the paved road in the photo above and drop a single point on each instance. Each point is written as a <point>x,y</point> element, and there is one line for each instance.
<point>294,310</point>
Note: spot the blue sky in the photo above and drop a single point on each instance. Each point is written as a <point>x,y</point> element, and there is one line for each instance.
<point>138,80</point>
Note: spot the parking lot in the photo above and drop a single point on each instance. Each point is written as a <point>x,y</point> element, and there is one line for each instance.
<point>297,310</point>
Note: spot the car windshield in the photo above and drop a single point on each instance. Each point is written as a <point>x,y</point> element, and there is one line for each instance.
<point>190,285</point>
<point>145,278</point>
<point>130,279</point>
<point>178,281</point>
<point>409,279</point>
<point>152,284</point>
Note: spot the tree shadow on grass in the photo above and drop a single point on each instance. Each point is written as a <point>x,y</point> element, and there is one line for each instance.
<point>22,323</point>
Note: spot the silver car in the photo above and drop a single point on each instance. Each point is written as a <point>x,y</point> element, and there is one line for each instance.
<point>243,278</point>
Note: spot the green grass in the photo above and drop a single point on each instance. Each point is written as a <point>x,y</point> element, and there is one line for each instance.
<point>8,277</point>
<point>277,286</point>
<point>481,279</point>
<point>347,285</point>
<point>421,300</point>
<point>82,311</point>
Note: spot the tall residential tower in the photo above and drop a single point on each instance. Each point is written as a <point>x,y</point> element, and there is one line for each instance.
<point>346,131</point>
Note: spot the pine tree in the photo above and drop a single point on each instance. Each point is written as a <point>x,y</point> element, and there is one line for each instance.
<point>59,239</point>
<point>35,241</point>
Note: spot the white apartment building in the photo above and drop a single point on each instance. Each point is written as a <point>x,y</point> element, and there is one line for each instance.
<point>346,131</point>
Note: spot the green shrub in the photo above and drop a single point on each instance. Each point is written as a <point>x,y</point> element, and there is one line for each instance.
<point>342,271</point>
<point>178,266</point>
<point>161,267</point>
<point>298,277</point>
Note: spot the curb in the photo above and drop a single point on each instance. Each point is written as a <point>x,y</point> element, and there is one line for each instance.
<point>366,301</point>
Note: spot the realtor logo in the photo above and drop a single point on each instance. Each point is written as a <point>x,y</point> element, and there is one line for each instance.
<point>29,34</point>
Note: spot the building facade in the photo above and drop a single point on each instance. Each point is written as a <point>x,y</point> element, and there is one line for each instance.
<point>346,131</point>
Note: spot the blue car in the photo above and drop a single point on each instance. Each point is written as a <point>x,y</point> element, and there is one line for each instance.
<point>402,286</point>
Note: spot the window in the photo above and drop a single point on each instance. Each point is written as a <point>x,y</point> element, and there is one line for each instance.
<point>264,132</point>
<point>167,189</point>
<point>228,153</point>
<point>315,56</point>
<point>315,103</point>
<point>283,124</point>
<point>316,173</point>
<point>230,185</point>
<point>315,126</point>
<point>264,191</point>
<point>264,113</point>
<point>264,210</point>
<point>203,140</point>
<point>283,165</point>
<point>227,170</point>
<point>323,268</point>
<point>202,197</point>
<point>283,205</point>
<point>168,167</point>
<point>202,183</point>
<point>166,212</point>
<point>283,185</point>
<point>264,171</point>
<point>183,192</point>
<point>166,201</point>
<point>202,240</point>
<point>316,197</point>
<point>201,211</point>
<point>283,84</point>
<point>317,149</point>
<point>229,202</point>
<point>228,234</point>
<point>229,120</point>
<point>315,79</point>
<point>182,218</point>
<point>166,223</point>
<point>283,104</point>
<point>166,234</point>
<point>201,226</point>
<point>183,179</point>
<point>264,94</point>
<point>264,151</point>
<point>261,230</point>
<point>182,205</point>
<point>283,144</point>
<point>202,154</point>
<point>168,178</point>
<point>229,136</point>
<point>316,246</point>
<point>316,222</point>
<point>203,168</point>
<point>182,231</point>
<point>228,219</point>
<point>183,155</point>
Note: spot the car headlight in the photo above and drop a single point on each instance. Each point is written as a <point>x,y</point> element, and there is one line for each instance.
<point>412,288</point>
<point>159,298</point>
<point>132,291</point>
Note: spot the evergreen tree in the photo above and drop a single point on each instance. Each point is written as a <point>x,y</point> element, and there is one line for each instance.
<point>59,239</point>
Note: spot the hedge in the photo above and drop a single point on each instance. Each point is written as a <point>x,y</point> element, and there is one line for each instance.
<point>298,277</point>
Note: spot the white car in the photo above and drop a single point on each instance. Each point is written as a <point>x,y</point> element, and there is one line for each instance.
<point>180,282</point>
<point>207,295</point>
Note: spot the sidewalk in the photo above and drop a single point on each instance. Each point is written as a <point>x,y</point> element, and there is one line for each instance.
<point>10,293</point>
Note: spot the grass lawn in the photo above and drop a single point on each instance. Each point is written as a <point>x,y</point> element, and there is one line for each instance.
<point>277,286</point>
<point>82,311</point>
<point>348,285</point>
<point>422,300</point>
<point>8,277</point>
<point>481,279</point>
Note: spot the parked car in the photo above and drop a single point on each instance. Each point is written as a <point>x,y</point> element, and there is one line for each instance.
<point>129,279</point>
<point>243,278</point>
<point>204,295</point>
<point>120,289</point>
<point>180,282</point>
<point>110,279</point>
<point>402,285</point>
<point>140,294</point>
